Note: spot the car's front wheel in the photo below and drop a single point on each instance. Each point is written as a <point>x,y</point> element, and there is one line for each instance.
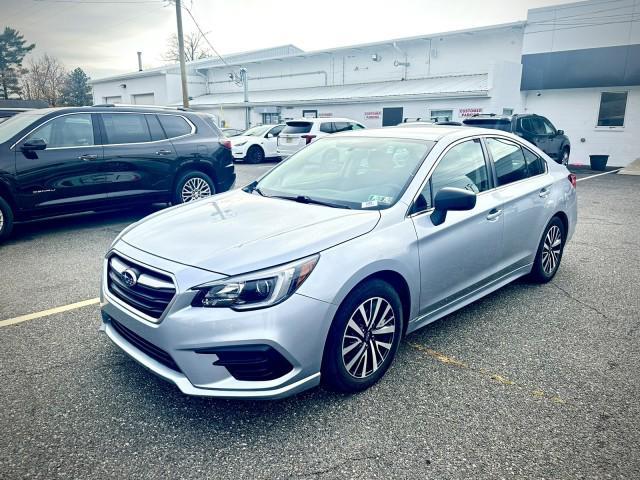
<point>193,186</point>
<point>255,155</point>
<point>549,253</point>
<point>6,219</point>
<point>363,338</point>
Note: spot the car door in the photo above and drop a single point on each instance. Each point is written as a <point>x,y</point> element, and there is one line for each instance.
<point>554,141</point>
<point>138,157</point>
<point>460,255</point>
<point>270,141</point>
<point>523,187</point>
<point>68,173</point>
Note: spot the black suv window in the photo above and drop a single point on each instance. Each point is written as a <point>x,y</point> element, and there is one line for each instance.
<point>533,125</point>
<point>125,128</point>
<point>508,160</point>
<point>297,127</point>
<point>503,124</point>
<point>154,127</point>
<point>328,127</point>
<point>174,126</point>
<point>66,131</point>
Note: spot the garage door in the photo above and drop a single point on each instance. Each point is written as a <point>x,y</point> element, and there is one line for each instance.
<point>114,99</point>
<point>143,99</point>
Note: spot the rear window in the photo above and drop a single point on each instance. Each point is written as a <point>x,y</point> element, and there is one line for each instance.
<point>174,126</point>
<point>297,127</point>
<point>210,120</point>
<point>492,123</point>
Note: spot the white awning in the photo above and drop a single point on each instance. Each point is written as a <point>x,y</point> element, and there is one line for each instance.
<point>452,86</point>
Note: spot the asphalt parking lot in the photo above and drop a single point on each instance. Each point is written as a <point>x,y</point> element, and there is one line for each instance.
<point>530,382</point>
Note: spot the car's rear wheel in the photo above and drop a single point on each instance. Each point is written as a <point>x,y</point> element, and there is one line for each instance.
<point>6,219</point>
<point>364,337</point>
<point>255,154</point>
<point>564,156</point>
<point>193,186</point>
<point>550,251</point>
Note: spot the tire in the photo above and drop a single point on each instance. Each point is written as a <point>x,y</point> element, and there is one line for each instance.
<point>564,156</point>
<point>546,264</point>
<point>255,154</point>
<point>192,186</point>
<point>6,219</point>
<point>344,361</point>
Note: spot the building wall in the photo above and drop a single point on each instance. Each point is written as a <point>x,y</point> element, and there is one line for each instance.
<point>149,84</point>
<point>576,112</point>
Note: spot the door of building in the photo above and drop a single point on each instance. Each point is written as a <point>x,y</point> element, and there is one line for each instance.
<point>391,116</point>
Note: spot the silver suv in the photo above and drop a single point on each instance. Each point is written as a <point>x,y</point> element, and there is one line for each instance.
<point>299,133</point>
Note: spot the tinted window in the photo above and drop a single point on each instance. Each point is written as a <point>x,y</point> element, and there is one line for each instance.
<point>356,126</point>
<point>462,167</point>
<point>535,164</point>
<point>494,124</point>
<point>612,109</point>
<point>210,120</point>
<point>275,131</point>
<point>533,125</point>
<point>297,127</point>
<point>508,159</point>
<point>154,127</point>
<point>343,126</point>
<point>548,128</point>
<point>174,126</point>
<point>328,127</point>
<point>66,131</point>
<point>125,128</point>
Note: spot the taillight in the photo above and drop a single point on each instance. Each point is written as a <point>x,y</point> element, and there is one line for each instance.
<point>308,138</point>
<point>225,142</point>
<point>573,179</point>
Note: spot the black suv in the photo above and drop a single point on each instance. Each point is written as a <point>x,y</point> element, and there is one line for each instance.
<point>64,160</point>
<point>534,128</point>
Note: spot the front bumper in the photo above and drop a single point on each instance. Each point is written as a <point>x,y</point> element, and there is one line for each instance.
<point>296,329</point>
<point>239,152</point>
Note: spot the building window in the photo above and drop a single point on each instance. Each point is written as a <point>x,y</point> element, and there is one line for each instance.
<point>270,118</point>
<point>507,112</point>
<point>441,115</point>
<point>612,109</point>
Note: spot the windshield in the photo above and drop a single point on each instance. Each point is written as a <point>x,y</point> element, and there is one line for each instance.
<point>13,125</point>
<point>350,172</point>
<point>257,131</point>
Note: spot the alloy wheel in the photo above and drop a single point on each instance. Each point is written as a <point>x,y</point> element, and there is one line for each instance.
<point>551,250</point>
<point>194,189</point>
<point>368,337</point>
<point>1,220</point>
<point>565,157</point>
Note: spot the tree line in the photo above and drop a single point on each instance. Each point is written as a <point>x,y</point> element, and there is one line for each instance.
<point>42,78</point>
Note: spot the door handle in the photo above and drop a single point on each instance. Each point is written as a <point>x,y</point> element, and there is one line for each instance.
<point>494,214</point>
<point>164,152</point>
<point>545,192</point>
<point>87,157</point>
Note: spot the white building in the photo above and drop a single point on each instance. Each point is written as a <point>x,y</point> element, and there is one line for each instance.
<point>546,65</point>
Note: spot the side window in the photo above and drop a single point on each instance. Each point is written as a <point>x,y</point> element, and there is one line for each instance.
<point>356,126</point>
<point>125,128</point>
<point>275,131</point>
<point>174,126</point>
<point>535,164</point>
<point>508,160</point>
<point>548,128</point>
<point>342,126</point>
<point>327,127</point>
<point>154,127</point>
<point>463,166</point>
<point>66,131</point>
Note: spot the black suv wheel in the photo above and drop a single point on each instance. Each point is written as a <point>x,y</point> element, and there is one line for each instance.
<point>193,186</point>
<point>6,219</point>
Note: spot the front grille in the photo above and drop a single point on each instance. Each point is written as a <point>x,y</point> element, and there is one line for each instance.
<point>143,289</point>
<point>146,347</point>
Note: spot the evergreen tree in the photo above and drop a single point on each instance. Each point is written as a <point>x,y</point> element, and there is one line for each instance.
<point>13,48</point>
<point>76,90</point>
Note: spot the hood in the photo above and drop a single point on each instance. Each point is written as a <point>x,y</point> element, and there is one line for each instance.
<point>241,138</point>
<point>237,232</point>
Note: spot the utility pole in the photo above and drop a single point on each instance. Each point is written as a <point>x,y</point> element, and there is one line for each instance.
<point>183,67</point>
<point>245,84</point>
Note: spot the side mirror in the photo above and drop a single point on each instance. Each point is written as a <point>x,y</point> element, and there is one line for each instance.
<point>33,145</point>
<point>559,132</point>
<point>270,135</point>
<point>449,198</point>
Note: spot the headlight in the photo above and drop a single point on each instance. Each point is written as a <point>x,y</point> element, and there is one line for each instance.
<point>259,289</point>
<point>239,144</point>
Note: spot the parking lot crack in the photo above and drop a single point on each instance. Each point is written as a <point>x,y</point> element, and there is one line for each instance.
<point>576,299</point>
<point>335,467</point>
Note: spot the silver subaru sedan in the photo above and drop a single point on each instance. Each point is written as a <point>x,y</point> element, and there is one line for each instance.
<point>315,272</point>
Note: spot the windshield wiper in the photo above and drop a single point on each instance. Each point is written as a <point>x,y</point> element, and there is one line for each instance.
<point>307,199</point>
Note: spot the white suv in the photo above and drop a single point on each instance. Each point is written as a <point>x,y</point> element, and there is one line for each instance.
<point>301,132</point>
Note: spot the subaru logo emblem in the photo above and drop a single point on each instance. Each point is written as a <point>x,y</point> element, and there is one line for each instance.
<point>129,277</point>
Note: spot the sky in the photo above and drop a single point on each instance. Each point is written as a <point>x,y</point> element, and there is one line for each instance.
<point>103,36</point>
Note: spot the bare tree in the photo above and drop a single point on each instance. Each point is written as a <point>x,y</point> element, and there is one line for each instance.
<point>44,79</point>
<point>195,48</point>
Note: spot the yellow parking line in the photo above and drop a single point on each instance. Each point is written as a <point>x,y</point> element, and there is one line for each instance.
<point>46,313</point>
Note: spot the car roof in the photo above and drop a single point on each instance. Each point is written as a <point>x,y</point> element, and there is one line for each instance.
<point>433,133</point>
<point>108,108</point>
<point>322,119</point>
